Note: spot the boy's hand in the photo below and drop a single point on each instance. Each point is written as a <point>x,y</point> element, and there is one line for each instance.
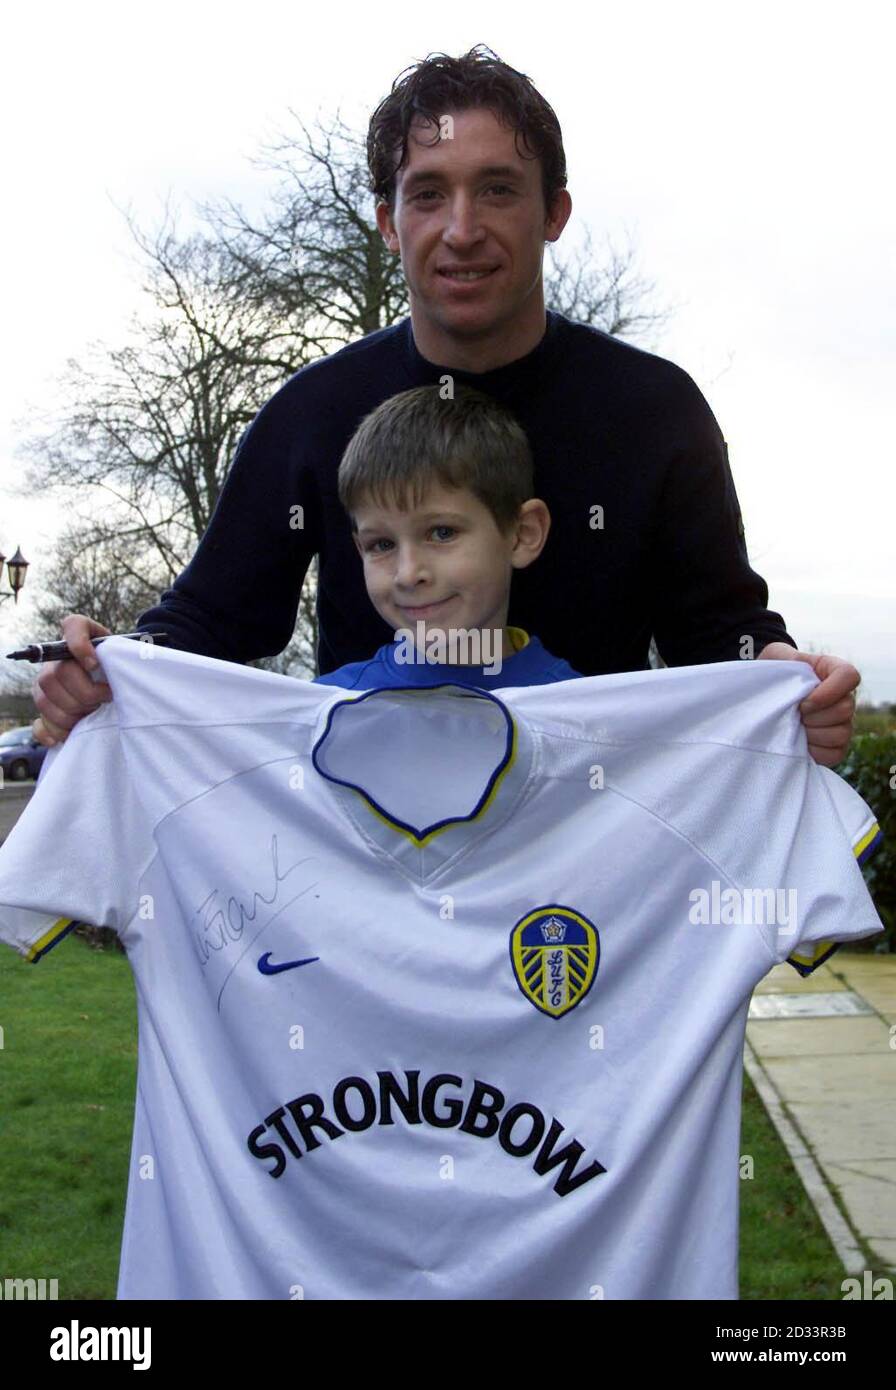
<point>827,713</point>
<point>64,691</point>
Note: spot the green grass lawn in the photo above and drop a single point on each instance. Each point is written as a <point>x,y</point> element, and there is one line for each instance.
<point>67,1077</point>
<point>67,1082</point>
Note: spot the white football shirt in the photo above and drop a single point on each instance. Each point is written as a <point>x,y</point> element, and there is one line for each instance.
<point>441,993</point>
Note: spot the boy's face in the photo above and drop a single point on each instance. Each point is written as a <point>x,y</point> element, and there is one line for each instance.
<point>445,562</point>
<point>471,202</point>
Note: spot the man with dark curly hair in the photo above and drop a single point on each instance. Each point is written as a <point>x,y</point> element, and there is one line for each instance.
<point>468,170</point>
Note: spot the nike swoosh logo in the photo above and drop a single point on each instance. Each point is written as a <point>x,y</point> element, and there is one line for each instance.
<point>267,969</point>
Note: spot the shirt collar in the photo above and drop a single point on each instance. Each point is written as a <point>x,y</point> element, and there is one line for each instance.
<point>389,759</point>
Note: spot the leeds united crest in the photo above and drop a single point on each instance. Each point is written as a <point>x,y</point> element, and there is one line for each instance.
<point>554,952</point>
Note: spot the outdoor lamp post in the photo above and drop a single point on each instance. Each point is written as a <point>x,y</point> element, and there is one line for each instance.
<point>16,570</point>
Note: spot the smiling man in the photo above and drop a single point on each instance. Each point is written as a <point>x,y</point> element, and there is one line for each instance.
<point>469,173</point>
<point>470,221</point>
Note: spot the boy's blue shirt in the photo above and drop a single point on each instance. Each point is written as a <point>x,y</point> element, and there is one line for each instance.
<point>530,664</point>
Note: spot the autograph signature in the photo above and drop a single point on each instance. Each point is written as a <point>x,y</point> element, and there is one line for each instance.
<point>221,926</point>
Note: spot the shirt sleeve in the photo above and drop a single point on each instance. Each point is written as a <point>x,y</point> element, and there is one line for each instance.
<point>238,597</point>
<point>79,848</point>
<point>854,836</point>
<point>706,597</point>
<point>782,836</point>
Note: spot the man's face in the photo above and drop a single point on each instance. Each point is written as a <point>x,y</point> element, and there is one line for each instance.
<point>444,562</point>
<point>471,203</point>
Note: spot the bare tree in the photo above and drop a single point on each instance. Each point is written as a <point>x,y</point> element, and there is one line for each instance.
<point>100,569</point>
<point>144,434</point>
<point>155,423</point>
<point>317,254</point>
<point>93,568</point>
<point>607,293</point>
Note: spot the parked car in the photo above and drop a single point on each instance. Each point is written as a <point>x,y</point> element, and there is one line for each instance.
<point>20,754</point>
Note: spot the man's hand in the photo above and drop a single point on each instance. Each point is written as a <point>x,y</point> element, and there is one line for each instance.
<point>827,713</point>
<point>64,691</point>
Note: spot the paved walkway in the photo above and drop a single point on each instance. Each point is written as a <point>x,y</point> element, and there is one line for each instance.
<point>829,1085</point>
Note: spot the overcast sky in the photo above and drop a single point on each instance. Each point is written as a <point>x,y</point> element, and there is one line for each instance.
<point>747,150</point>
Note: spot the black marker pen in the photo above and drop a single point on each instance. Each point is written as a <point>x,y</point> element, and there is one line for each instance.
<point>58,651</point>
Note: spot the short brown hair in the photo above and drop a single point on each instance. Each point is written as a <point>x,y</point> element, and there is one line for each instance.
<point>441,84</point>
<point>416,438</point>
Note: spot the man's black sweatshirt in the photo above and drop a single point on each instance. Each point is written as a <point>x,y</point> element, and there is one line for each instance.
<point>646,534</point>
